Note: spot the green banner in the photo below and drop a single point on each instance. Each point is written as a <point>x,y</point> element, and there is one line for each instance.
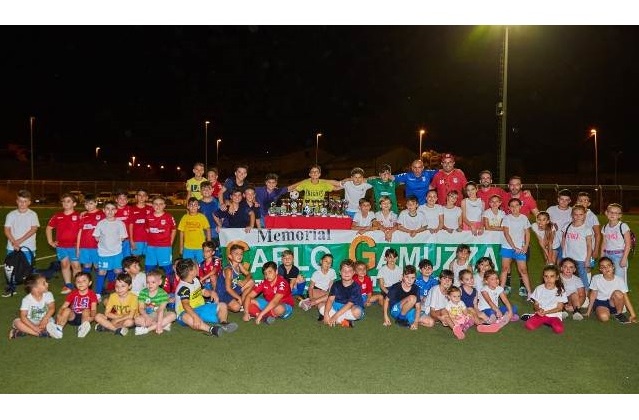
<point>309,245</point>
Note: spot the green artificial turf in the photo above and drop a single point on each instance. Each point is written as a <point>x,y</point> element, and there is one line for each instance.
<point>300,355</point>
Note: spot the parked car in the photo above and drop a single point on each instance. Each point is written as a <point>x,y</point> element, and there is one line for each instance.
<point>79,196</point>
<point>47,198</point>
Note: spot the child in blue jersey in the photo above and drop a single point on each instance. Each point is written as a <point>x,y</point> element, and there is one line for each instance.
<point>425,279</point>
<point>208,206</point>
<point>237,282</point>
<point>344,304</point>
<point>470,297</point>
<point>403,301</point>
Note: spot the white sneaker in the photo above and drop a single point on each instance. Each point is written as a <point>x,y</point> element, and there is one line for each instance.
<point>577,316</point>
<point>167,327</point>
<point>141,330</point>
<point>305,304</point>
<point>122,331</point>
<point>84,329</point>
<point>586,303</point>
<point>54,330</point>
<point>564,315</point>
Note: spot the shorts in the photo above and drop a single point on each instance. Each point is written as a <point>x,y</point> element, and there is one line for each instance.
<point>502,308</point>
<point>337,306</point>
<point>195,254</point>
<point>350,214</point>
<point>604,304</point>
<point>114,262</point>
<point>396,311</point>
<point>511,254</point>
<point>77,321</point>
<point>206,312</point>
<point>140,249</point>
<point>69,253</point>
<point>288,309</point>
<point>89,256</point>
<point>158,255</point>
<point>224,295</point>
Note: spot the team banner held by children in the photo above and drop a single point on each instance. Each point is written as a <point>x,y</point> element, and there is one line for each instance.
<point>309,245</point>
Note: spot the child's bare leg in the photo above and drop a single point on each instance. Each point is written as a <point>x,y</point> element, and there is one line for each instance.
<point>188,320</point>
<point>168,318</point>
<point>426,321</point>
<point>65,315</point>
<point>223,311</point>
<point>505,269</point>
<point>523,275</point>
<point>24,327</point>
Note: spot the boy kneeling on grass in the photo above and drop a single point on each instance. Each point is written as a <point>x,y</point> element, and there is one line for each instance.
<point>276,301</point>
<point>190,307</point>
<point>403,301</point>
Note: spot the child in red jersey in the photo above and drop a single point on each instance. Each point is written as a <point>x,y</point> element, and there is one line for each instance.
<point>87,244</point>
<point>364,281</point>
<point>79,307</point>
<point>276,301</point>
<point>211,266</point>
<point>66,225</point>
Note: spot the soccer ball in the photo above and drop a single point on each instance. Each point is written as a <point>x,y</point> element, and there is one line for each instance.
<point>294,195</point>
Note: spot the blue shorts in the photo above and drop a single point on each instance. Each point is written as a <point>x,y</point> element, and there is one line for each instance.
<point>502,308</point>
<point>158,255</point>
<point>69,253</point>
<point>351,214</point>
<point>126,248</point>
<point>89,256</point>
<point>113,262</point>
<point>396,311</point>
<point>288,309</point>
<point>337,306</point>
<point>604,304</point>
<point>511,254</point>
<point>195,254</point>
<point>224,295</point>
<point>206,312</point>
<point>140,249</point>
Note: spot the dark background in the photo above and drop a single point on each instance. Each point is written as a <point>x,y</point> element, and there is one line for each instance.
<point>147,90</point>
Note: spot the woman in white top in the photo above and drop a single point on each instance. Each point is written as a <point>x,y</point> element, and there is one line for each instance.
<point>472,208</point>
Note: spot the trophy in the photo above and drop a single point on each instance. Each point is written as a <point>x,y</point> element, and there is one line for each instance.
<point>307,209</point>
<point>294,207</point>
<point>324,207</point>
<point>272,210</point>
<point>344,206</point>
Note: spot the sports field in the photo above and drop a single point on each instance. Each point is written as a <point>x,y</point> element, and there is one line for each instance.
<point>300,355</point>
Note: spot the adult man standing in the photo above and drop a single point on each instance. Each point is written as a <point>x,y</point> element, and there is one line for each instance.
<point>487,189</point>
<point>528,203</point>
<point>448,179</point>
<point>417,181</point>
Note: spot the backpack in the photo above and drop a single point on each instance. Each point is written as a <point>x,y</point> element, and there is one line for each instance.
<point>17,268</point>
<point>633,238</point>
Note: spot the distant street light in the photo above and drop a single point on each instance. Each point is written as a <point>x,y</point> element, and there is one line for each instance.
<point>421,133</point>
<point>31,120</point>
<point>133,160</point>
<point>97,150</point>
<point>593,132</point>
<point>317,145</point>
<point>206,145</point>
<point>217,153</point>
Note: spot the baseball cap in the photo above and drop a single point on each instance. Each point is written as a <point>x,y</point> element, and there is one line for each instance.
<point>448,156</point>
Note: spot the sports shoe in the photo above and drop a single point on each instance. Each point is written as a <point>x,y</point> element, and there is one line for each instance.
<point>54,330</point>
<point>43,334</point>
<point>347,323</point>
<point>215,331</point>
<point>228,327</point>
<point>514,318</point>
<point>577,316</point>
<point>8,293</point>
<point>84,329</point>
<point>623,318</point>
<point>320,318</point>
<point>99,328</point>
<point>269,320</point>
<point>65,291</point>
<point>459,333</point>
<point>121,331</point>
<point>564,315</point>
<point>586,303</point>
<point>523,292</point>
<point>507,289</point>
<point>167,327</point>
<point>305,304</point>
<point>15,333</point>
<point>466,326</point>
<point>141,330</point>
<point>403,323</point>
<point>525,317</point>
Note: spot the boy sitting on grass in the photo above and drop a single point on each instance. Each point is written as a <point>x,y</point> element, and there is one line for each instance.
<point>344,304</point>
<point>403,301</point>
<point>79,307</point>
<point>152,304</point>
<point>120,309</point>
<point>276,300</point>
<point>190,306</point>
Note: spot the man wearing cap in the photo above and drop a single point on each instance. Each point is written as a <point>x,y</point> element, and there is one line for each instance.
<point>384,186</point>
<point>448,179</point>
<point>417,181</point>
<point>487,189</point>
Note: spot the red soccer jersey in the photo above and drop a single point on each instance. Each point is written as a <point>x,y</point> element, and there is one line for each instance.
<point>137,218</point>
<point>207,267</point>
<point>88,221</point>
<point>281,287</point>
<point>527,203</point>
<point>217,187</point>
<point>78,302</point>
<point>159,229</point>
<point>485,195</point>
<point>444,183</point>
<point>366,284</point>
<point>122,213</point>
<point>66,228</point>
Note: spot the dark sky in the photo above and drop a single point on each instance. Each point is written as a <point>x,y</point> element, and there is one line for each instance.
<point>148,90</point>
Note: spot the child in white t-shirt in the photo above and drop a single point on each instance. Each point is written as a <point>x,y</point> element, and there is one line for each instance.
<point>616,240</point>
<point>364,217</point>
<point>489,298</point>
<point>452,213</point>
<point>131,266</point>
<point>433,212</point>
<point>494,215</point>
<point>576,242</point>
<point>548,301</point>
<point>321,282</point>
<point>472,208</point>
<point>458,313</point>
<point>385,219</point>
<point>354,190</point>
<point>515,245</point>
<point>547,236</point>
<point>36,311</point>
<point>387,275</point>
<point>574,288</point>
<point>411,220</point>
<point>609,295</point>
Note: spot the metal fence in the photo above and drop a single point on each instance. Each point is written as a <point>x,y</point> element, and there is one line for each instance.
<point>545,194</point>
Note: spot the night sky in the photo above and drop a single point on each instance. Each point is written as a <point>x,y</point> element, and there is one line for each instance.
<point>146,91</point>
